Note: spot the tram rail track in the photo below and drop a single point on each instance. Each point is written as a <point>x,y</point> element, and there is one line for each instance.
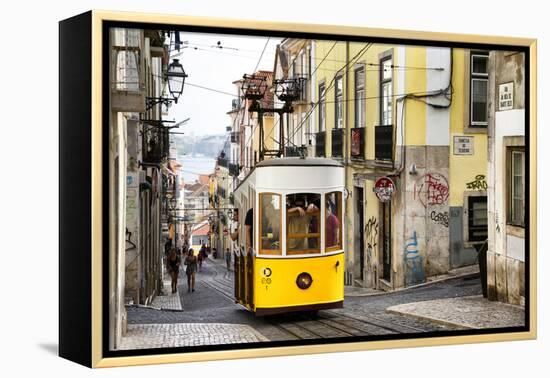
<point>327,324</point>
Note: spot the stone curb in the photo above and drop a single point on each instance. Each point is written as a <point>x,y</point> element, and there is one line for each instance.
<point>398,290</point>
<point>446,323</point>
<point>469,312</point>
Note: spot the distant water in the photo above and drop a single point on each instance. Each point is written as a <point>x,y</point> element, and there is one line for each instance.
<point>193,166</point>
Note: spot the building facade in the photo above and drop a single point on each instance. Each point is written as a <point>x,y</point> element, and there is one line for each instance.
<point>399,113</point>
<point>138,147</point>
<point>507,177</point>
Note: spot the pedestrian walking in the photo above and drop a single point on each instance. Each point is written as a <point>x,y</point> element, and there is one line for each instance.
<point>202,254</point>
<point>173,266</point>
<point>228,258</point>
<point>191,263</point>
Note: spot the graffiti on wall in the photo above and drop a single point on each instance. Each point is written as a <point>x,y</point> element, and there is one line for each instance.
<point>497,222</point>
<point>432,189</point>
<point>414,268</point>
<point>441,218</point>
<point>479,183</point>
<point>371,233</point>
<point>129,243</point>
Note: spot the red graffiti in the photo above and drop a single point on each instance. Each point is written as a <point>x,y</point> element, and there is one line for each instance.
<point>432,189</point>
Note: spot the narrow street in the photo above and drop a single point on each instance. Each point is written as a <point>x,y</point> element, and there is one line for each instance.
<point>212,305</point>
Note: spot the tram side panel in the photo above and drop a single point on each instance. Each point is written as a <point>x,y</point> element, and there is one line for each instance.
<point>276,289</point>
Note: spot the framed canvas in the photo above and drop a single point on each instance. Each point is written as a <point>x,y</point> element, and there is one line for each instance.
<point>235,189</point>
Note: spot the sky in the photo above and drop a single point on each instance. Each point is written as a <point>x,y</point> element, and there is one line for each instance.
<point>215,68</point>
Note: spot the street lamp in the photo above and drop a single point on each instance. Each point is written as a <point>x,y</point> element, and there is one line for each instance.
<point>176,79</point>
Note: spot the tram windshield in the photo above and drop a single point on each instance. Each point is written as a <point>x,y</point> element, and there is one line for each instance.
<point>270,224</point>
<point>303,223</point>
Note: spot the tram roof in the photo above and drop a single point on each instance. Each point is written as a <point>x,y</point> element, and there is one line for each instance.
<point>299,162</point>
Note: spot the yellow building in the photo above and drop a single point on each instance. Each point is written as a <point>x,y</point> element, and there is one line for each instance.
<point>405,115</point>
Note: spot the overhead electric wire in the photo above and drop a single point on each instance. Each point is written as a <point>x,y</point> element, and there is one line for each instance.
<point>331,84</point>
<point>290,65</point>
<point>261,55</point>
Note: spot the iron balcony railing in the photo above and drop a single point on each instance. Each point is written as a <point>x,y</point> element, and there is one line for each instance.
<point>233,169</point>
<point>337,142</point>
<point>235,104</point>
<point>383,142</point>
<point>235,137</point>
<point>296,151</point>
<point>222,162</point>
<point>320,144</point>
<point>156,145</point>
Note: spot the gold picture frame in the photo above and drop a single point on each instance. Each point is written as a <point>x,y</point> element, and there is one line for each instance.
<point>89,328</point>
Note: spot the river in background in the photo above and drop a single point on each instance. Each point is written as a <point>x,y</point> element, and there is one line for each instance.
<point>193,166</point>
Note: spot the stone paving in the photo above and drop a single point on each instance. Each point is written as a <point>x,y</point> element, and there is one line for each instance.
<point>211,315</point>
<point>145,336</point>
<point>474,312</point>
<point>170,301</point>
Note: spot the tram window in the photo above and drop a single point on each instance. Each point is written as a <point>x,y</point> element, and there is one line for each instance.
<point>303,223</point>
<point>333,221</point>
<point>270,224</point>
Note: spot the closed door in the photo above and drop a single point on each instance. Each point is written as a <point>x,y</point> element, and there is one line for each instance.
<point>359,240</point>
<point>386,241</point>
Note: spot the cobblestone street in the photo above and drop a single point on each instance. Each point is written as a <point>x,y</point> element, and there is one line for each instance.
<point>210,315</point>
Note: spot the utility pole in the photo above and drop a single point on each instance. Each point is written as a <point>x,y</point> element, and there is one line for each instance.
<point>287,90</point>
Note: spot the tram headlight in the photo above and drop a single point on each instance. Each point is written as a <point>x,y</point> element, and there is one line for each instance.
<point>304,280</point>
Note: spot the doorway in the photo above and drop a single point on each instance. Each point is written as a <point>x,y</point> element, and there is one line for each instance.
<point>359,223</point>
<point>386,241</point>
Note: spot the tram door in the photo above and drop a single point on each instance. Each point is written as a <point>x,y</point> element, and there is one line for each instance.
<point>237,265</point>
<point>242,251</point>
<point>386,241</point>
<point>250,251</point>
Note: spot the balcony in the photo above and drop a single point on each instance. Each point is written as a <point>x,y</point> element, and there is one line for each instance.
<point>235,104</point>
<point>383,142</point>
<point>296,151</point>
<point>320,144</point>
<point>301,88</point>
<point>358,143</point>
<point>156,145</point>
<point>126,72</point>
<point>337,142</point>
<point>222,162</point>
<point>233,169</point>
<point>235,137</point>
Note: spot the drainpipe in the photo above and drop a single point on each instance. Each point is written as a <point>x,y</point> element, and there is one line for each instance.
<point>345,135</point>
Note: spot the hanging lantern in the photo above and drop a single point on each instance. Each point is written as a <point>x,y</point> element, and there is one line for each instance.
<point>176,79</point>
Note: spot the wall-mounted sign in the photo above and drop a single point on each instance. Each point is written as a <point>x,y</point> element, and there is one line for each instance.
<point>506,96</point>
<point>384,188</point>
<point>463,145</point>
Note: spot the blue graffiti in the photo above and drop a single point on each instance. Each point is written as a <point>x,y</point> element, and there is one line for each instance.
<point>414,268</point>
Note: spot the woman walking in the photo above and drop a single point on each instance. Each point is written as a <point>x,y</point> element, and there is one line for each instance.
<point>191,262</point>
<point>173,266</point>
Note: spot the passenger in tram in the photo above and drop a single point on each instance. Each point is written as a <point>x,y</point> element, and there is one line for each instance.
<point>235,234</point>
<point>249,229</point>
<point>299,220</point>
<point>332,225</point>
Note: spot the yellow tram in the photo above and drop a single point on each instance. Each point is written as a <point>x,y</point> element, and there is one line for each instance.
<point>290,252</point>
